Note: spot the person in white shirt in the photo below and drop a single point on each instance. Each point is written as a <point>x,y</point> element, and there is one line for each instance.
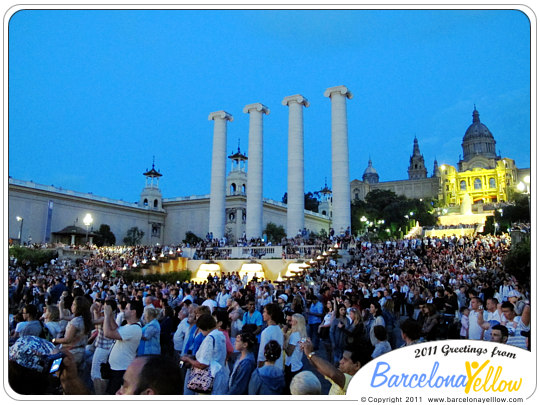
<point>272,315</point>
<point>475,319</point>
<point>210,302</point>
<point>490,317</point>
<point>127,339</point>
<point>222,298</point>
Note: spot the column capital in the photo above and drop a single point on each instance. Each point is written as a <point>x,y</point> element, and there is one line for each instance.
<point>338,89</point>
<point>224,115</point>
<point>258,107</point>
<point>298,98</point>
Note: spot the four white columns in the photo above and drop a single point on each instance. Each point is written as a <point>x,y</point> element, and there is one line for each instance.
<point>341,220</point>
<point>254,192</point>
<point>218,175</point>
<point>341,191</point>
<point>295,166</point>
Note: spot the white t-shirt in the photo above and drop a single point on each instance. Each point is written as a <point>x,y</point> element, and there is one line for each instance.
<point>295,359</point>
<point>272,332</point>
<point>210,304</point>
<point>491,316</point>
<point>125,350</point>
<point>475,330</point>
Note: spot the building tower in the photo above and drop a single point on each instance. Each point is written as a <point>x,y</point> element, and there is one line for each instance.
<point>341,221</point>
<point>325,206</point>
<point>254,204</point>
<point>435,169</point>
<point>216,225</point>
<point>295,164</point>
<point>237,186</point>
<point>417,168</point>
<point>151,194</point>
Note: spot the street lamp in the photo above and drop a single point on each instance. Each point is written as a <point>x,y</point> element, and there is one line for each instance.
<point>87,220</point>
<point>21,220</point>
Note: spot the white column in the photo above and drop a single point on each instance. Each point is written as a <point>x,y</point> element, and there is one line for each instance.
<point>295,164</point>
<point>218,176</point>
<point>254,192</point>
<point>341,191</point>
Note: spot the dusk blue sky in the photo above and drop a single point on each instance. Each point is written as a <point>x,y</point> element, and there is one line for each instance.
<point>94,95</point>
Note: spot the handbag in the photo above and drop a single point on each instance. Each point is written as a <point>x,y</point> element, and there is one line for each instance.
<point>200,379</point>
<point>106,371</point>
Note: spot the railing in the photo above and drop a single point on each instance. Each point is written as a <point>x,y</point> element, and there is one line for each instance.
<point>245,252</point>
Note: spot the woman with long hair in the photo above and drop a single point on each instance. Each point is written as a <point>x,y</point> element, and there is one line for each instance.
<point>245,364</point>
<point>291,340</point>
<point>431,320</point>
<point>324,327</point>
<point>77,330</point>
<point>337,335</point>
<point>354,331</point>
<point>377,319</point>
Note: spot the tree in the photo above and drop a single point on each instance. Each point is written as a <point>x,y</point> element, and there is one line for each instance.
<point>311,201</point>
<point>191,239</point>
<point>518,261</point>
<point>274,232</point>
<point>104,236</point>
<point>133,236</point>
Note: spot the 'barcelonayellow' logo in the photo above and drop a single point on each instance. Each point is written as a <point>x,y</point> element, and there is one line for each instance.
<point>455,367</point>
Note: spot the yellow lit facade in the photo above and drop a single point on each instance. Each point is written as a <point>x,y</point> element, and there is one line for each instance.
<point>484,185</point>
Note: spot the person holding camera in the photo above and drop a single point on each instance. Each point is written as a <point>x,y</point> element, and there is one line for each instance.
<point>127,339</point>
<point>103,346</point>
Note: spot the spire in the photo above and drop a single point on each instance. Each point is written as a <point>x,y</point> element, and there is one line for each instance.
<point>476,115</point>
<point>416,148</point>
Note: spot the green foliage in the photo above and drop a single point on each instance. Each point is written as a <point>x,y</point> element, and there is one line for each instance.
<point>34,257</point>
<point>191,238</point>
<point>387,206</point>
<point>274,233</point>
<point>517,212</point>
<point>133,236</point>
<point>311,201</point>
<point>518,261</point>
<point>104,236</point>
<point>172,277</point>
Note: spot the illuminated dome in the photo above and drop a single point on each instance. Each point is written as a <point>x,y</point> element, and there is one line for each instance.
<point>478,140</point>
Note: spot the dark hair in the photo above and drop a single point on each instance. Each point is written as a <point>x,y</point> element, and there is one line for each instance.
<point>206,322</point>
<point>161,374</point>
<point>380,332</point>
<point>378,308</point>
<point>274,312</point>
<point>502,328</point>
<point>31,310</point>
<point>223,317</point>
<point>411,329</point>
<point>137,306</point>
<point>82,309</point>
<point>272,351</point>
<point>508,304</point>
<point>336,312</point>
<point>249,338</point>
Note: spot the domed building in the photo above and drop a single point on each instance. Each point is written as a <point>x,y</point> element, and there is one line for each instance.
<point>481,174</point>
<point>370,174</point>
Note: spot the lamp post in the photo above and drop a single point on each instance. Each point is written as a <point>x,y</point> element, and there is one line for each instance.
<point>21,220</point>
<point>87,220</point>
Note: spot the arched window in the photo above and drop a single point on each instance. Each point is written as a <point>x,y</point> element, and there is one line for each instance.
<point>477,184</point>
<point>324,212</point>
<point>492,183</point>
<point>243,188</point>
<point>231,216</point>
<point>233,188</point>
<point>155,203</point>
<point>145,202</point>
<point>463,185</point>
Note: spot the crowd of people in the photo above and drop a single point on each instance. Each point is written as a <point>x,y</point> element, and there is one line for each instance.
<point>233,336</point>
